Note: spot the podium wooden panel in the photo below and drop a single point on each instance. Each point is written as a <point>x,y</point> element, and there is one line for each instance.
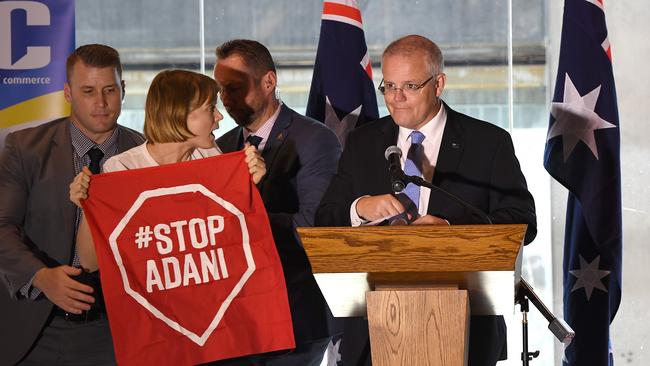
<point>417,284</point>
<point>437,319</point>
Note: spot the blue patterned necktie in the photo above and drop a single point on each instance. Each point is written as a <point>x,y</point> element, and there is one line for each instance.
<point>413,165</point>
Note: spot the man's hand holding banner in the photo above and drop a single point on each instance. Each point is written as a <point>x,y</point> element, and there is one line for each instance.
<point>189,269</point>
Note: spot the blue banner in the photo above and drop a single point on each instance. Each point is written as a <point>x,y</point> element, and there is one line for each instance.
<point>342,93</point>
<point>583,153</point>
<point>36,37</point>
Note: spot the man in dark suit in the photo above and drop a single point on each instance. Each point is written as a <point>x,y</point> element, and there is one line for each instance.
<point>471,159</point>
<point>48,315</point>
<point>301,156</point>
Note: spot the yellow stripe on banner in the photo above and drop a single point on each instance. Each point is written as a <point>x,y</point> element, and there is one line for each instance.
<point>44,108</point>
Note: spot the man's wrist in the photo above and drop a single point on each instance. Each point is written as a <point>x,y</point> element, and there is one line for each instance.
<point>30,290</point>
<point>355,218</point>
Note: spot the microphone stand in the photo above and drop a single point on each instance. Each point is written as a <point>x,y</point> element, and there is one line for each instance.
<point>560,329</point>
<point>419,181</point>
<point>525,355</point>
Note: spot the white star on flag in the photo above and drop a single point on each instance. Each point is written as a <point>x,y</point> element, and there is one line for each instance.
<point>341,127</point>
<point>588,276</point>
<point>575,119</point>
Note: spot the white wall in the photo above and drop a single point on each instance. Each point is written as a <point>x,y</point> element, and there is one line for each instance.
<point>628,31</point>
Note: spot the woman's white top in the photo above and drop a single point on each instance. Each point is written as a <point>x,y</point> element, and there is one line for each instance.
<point>139,157</point>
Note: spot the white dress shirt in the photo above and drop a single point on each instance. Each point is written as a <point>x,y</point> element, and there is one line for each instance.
<point>432,132</point>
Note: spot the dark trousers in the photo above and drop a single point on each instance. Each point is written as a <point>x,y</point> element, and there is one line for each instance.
<point>64,342</point>
<point>487,340</point>
<point>305,354</point>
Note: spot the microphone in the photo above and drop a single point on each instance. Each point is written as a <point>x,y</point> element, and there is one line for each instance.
<point>397,181</point>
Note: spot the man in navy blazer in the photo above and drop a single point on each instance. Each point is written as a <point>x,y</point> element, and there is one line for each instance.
<point>471,159</point>
<point>301,156</point>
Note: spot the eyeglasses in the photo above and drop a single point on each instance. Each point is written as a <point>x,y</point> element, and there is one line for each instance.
<point>407,88</point>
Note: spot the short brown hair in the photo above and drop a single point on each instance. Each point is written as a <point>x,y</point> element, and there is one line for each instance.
<point>255,55</point>
<point>414,43</point>
<point>172,95</point>
<point>95,55</point>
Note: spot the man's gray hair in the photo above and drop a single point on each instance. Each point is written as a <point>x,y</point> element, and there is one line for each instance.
<point>415,43</point>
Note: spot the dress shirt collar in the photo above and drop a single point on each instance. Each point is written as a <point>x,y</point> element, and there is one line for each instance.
<point>435,127</point>
<point>82,144</point>
<point>265,130</point>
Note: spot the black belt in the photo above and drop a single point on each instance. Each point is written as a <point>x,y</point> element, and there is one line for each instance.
<point>97,309</point>
<point>85,316</point>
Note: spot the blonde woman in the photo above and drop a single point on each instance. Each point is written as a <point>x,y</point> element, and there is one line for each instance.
<point>180,115</point>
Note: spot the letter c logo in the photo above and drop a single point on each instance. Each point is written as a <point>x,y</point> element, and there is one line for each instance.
<point>36,56</point>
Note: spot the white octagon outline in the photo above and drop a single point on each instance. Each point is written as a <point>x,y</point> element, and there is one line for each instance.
<point>189,188</point>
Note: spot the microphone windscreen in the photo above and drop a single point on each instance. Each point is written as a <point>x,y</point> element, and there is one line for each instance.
<point>392,150</point>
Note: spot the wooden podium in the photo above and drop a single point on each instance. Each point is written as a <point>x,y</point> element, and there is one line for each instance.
<point>417,284</point>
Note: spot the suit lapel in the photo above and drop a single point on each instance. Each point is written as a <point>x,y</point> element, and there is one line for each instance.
<point>277,137</point>
<point>451,146</point>
<point>62,157</point>
<point>126,140</point>
<point>451,149</point>
<point>389,131</point>
<point>388,137</point>
<point>231,141</point>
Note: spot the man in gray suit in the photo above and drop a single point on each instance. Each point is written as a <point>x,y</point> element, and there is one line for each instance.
<point>51,313</point>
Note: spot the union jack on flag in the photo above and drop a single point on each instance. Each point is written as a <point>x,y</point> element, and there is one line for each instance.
<point>583,154</point>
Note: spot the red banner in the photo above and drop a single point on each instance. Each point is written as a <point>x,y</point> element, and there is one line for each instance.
<point>189,269</point>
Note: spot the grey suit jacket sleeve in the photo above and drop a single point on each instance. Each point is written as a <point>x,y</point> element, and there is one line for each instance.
<point>18,262</point>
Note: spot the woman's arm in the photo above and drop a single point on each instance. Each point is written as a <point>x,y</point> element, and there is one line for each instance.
<point>86,247</point>
<point>84,241</point>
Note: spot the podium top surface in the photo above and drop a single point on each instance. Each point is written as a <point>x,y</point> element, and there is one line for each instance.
<point>426,248</point>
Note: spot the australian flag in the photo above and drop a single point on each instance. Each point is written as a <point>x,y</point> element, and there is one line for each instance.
<point>583,154</point>
<point>343,96</point>
<point>342,93</point>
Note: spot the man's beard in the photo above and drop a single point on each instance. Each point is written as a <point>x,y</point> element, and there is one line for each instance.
<point>243,116</point>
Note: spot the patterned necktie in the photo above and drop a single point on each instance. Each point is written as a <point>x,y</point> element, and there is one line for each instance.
<point>254,140</point>
<point>95,156</point>
<point>413,165</point>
